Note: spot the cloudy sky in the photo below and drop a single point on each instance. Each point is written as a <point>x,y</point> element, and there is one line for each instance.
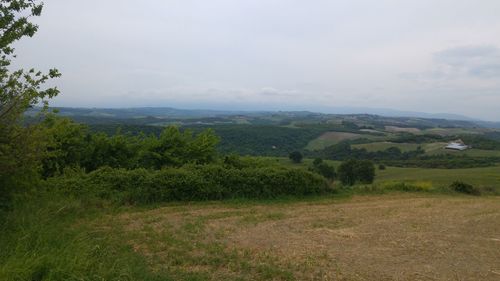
<point>421,55</point>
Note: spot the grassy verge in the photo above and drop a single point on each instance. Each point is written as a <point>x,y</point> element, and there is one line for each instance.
<point>48,237</point>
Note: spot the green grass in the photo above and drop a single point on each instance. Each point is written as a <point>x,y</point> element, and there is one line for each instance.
<point>47,237</point>
<point>306,162</point>
<point>452,131</point>
<point>332,138</point>
<point>436,148</point>
<point>483,177</point>
<point>380,146</point>
<point>50,237</point>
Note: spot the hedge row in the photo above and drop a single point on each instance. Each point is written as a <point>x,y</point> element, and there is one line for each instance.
<point>193,183</point>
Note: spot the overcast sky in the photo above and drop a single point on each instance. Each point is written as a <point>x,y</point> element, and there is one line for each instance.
<point>421,55</point>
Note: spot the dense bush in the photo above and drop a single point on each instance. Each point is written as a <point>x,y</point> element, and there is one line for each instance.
<point>295,156</point>
<point>353,171</point>
<point>192,183</point>
<point>322,168</point>
<point>72,145</point>
<point>466,188</point>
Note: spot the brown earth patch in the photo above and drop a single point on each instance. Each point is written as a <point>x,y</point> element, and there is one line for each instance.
<point>391,237</point>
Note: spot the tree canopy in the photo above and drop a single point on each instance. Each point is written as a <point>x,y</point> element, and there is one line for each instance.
<point>20,146</point>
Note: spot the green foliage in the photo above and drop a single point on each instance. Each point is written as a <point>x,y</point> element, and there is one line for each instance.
<point>71,145</point>
<point>420,139</point>
<point>47,236</point>
<point>445,161</point>
<point>353,171</point>
<point>408,187</point>
<point>19,89</point>
<point>381,167</point>
<point>192,183</point>
<point>175,148</point>
<point>346,172</point>
<point>20,147</point>
<point>344,151</point>
<point>295,156</point>
<point>66,146</point>
<point>481,142</point>
<point>466,188</point>
<point>393,156</point>
<point>269,140</point>
<point>322,168</point>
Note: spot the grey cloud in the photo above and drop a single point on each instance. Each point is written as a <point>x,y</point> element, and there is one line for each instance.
<point>479,61</point>
<point>278,54</point>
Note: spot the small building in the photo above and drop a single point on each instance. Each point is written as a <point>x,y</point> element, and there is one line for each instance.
<point>457,145</point>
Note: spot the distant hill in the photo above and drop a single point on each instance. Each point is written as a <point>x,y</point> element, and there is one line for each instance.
<point>167,115</point>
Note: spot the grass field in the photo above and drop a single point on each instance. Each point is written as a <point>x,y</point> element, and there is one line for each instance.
<point>394,129</point>
<point>483,177</point>
<point>349,235</point>
<point>332,138</point>
<point>336,237</point>
<point>436,148</point>
<point>452,131</point>
<point>430,238</point>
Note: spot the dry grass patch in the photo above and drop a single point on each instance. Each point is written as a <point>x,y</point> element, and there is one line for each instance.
<point>390,237</point>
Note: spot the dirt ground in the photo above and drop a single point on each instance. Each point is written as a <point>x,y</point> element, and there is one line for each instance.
<point>385,237</point>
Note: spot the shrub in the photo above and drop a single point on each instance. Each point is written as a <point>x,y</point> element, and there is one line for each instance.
<point>323,169</point>
<point>353,171</point>
<point>365,171</point>
<point>381,167</point>
<point>194,183</point>
<point>466,188</point>
<point>408,187</point>
<point>317,161</point>
<point>296,157</point>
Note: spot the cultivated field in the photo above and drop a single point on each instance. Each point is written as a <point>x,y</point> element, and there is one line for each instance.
<point>394,129</point>
<point>331,138</point>
<point>390,237</point>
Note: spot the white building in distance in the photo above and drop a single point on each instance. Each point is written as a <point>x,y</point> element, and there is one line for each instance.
<point>457,145</point>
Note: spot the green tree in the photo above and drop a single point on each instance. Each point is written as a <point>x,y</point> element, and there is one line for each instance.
<point>174,148</point>
<point>296,157</point>
<point>352,171</point>
<point>317,161</point>
<point>365,171</point>
<point>323,169</point>
<point>346,172</point>
<point>21,147</point>
<point>65,146</point>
